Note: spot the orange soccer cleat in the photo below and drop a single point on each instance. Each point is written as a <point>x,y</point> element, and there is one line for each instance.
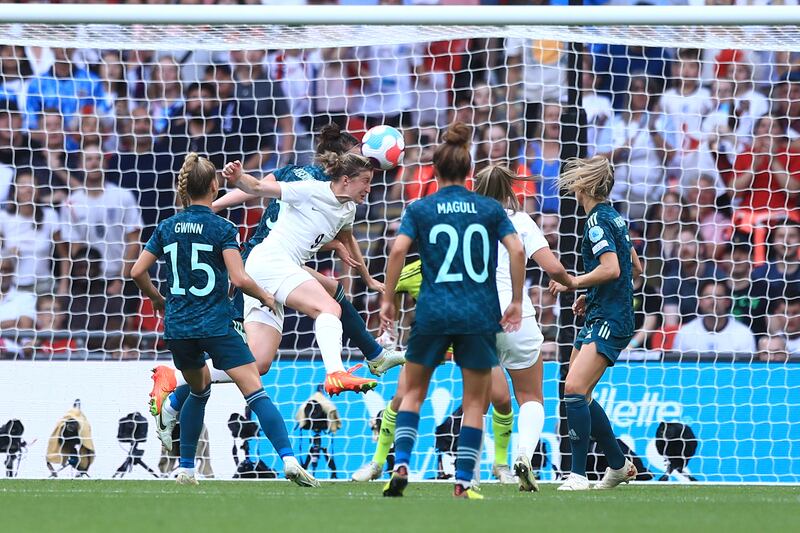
<point>338,382</point>
<point>163,384</point>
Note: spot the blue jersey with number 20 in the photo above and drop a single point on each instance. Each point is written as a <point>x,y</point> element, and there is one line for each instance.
<point>457,232</point>
<point>197,279</point>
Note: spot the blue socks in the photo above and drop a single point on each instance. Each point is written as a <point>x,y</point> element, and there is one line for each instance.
<point>192,414</point>
<point>604,435</point>
<point>468,453</point>
<point>178,397</point>
<point>405,435</point>
<point>271,421</point>
<point>354,328</point>
<point>580,427</point>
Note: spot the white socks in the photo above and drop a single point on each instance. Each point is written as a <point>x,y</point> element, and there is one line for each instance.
<point>328,330</point>
<point>217,376</point>
<point>530,423</point>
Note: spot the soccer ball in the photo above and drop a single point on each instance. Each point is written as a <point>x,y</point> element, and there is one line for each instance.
<point>383,146</point>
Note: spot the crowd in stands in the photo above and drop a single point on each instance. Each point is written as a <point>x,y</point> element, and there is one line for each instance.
<point>705,144</point>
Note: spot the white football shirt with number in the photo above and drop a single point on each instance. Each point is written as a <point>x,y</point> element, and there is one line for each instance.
<point>311,216</point>
<point>532,241</point>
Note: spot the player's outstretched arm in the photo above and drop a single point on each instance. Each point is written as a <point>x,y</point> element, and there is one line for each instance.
<point>141,276</point>
<point>242,280</point>
<point>512,317</point>
<point>231,199</point>
<point>234,175</point>
<point>348,239</point>
<point>545,258</point>
<point>394,266</point>
<point>608,270</point>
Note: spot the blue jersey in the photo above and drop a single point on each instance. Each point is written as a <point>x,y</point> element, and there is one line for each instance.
<point>273,209</point>
<point>197,279</point>
<point>612,302</point>
<point>458,232</point>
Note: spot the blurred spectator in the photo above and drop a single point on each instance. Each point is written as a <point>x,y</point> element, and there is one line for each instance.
<point>262,117</point>
<point>67,88</point>
<point>164,92</point>
<point>647,306</point>
<point>599,112</point>
<point>549,351</point>
<point>17,308</point>
<point>616,64</point>
<point>50,145</point>
<point>642,145</point>
<point>773,349</point>
<point>418,178</point>
<point>138,68</point>
<point>535,76</point>
<point>500,144</point>
<point>385,73</point>
<point>199,128</point>
<point>435,65</point>
<point>783,267</point>
<point>682,278</point>
<point>664,223</point>
<point>30,232</point>
<point>545,305</point>
<point>687,103</point>
<point>549,224</point>
<point>720,128</point>
<point>544,159</point>
<point>111,71</point>
<point>715,331</point>
<point>753,104</point>
<point>749,290</point>
<point>102,215</point>
<point>18,149</point>
<point>145,170</point>
<point>713,223</point>
<point>331,71</point>
<point>15,71</point>
<point>92,304</point>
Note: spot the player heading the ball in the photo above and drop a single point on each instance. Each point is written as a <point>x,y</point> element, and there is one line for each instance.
<point>203,253</point>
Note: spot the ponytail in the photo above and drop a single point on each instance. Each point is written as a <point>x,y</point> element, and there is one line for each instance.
<point>195,177</point>
<point>594,177</point>
<point>452,160</point>
<point>331,139</point>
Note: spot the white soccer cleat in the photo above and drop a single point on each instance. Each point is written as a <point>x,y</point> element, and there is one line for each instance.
<point>575,482</point>
<point>165,424</point>
<point>368,472</point>
<point>525,476</point>
<point>612,477</point>
<point>297,474</point>
<point>386,360</point>
<point>185,478</point>
<point>503,474</point>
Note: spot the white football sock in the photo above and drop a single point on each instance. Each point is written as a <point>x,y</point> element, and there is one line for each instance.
<point>217,376</point>
<point>530,423</point>
<point>328,330</point>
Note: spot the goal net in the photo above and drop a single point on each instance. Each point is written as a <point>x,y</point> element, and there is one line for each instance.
<point>701,122</point>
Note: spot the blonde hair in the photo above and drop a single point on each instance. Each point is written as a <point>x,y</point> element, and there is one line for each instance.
<point>594,177</point>
<point>195,177</point>
<point>338,165</point>
<point>497,181</point>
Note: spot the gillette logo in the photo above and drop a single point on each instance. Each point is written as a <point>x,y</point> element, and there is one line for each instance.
<point>643,412</point>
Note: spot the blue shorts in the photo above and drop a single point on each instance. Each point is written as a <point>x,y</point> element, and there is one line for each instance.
<point>607,344</point>
<point>469,351</point>
<point>226,351</point>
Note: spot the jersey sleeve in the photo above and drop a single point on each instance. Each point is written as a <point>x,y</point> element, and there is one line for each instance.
<point>408,225</point>
<point>154,245</point>
<point>601,238</point>
<point>349,221</point>
<point>299,192</point>
<point>230,237</point>
<point>532,238</point>
<point>282,174</point>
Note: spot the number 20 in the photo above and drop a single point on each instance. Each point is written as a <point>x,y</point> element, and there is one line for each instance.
<point>176,288</point>
<point>444,275</point>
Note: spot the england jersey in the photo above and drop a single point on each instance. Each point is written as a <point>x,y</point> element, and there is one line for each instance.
<point>532,241</point>
<point>312,217</point>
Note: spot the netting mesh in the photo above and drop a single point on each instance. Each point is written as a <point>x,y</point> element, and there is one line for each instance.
<point>705,141</point>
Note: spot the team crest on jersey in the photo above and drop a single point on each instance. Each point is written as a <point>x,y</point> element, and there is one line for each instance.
<point>595,233</point>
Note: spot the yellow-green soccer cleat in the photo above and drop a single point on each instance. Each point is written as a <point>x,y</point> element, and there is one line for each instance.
<point>525,476</point>
<point>386,360</point>
<point>466,493</point>
<point>397,484</point>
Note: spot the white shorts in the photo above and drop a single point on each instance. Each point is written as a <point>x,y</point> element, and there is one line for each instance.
<point>277,275</point>
<point>520,350</point>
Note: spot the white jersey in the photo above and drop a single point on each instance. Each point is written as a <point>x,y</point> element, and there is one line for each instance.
<point>532,240</point>
<point>310,218</point>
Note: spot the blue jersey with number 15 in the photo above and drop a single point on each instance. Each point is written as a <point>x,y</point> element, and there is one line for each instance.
<point>457,232</point>
<point>197,279</point>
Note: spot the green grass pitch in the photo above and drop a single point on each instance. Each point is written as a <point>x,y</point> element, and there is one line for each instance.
<point>84,506</point>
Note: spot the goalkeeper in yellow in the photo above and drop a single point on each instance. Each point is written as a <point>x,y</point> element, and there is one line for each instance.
<point>518,351</point>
